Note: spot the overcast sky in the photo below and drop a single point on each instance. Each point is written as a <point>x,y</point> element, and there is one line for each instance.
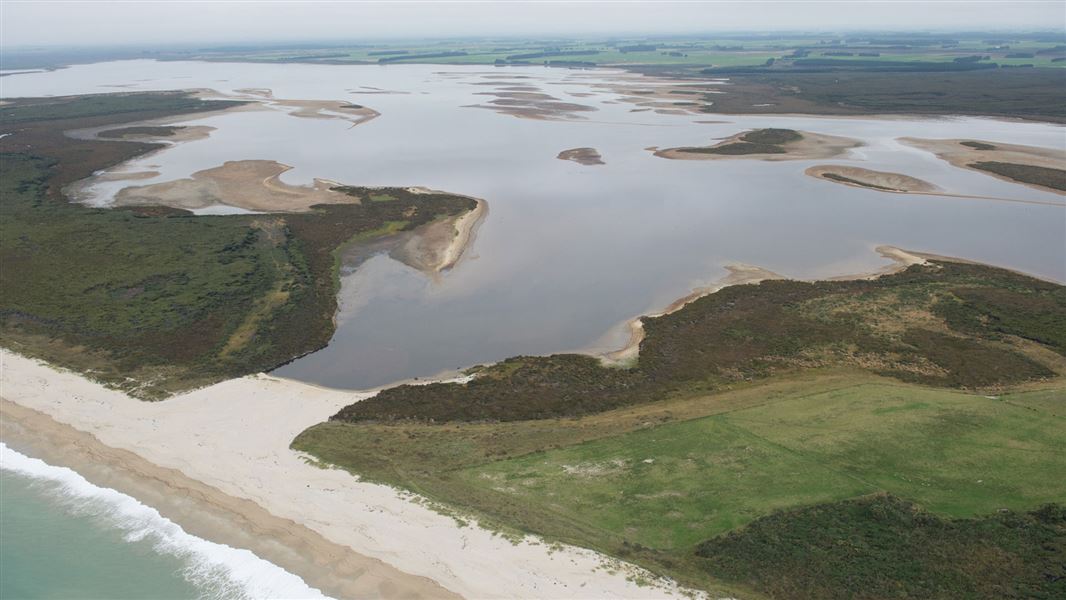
<point>52,22</point>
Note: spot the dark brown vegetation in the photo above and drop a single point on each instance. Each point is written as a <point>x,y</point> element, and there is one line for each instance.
<point>978,145</point>
<point>155,300</point>
<point>843,179</point>
<point>1031,174</point>
<point>758,141</point>
<point>883,547</point>
<point>1023,93</point>
<point>947,324</point>
<point>157,131</point>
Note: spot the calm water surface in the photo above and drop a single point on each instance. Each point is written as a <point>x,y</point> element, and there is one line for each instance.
<point>569,252</point>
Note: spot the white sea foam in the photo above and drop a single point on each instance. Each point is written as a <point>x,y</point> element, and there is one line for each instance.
<point>219,571</point>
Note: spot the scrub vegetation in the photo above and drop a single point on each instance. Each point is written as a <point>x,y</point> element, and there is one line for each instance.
<point>759,141</point>
<point>1031,174</point>
<point>155,300</point>
<point>779,411</point>
<point>947,324</point>
<point>659,482</point>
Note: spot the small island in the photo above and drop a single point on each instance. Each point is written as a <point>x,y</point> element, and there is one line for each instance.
<point>766,144</point>
<point>870,179</point>
<point>1038,168</point>
<point>583,156</point>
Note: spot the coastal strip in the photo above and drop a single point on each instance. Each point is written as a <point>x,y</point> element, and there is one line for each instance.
<point>233,438</point>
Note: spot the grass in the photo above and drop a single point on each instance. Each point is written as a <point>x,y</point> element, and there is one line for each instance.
<point>155,300</point>
<point>1042,176</point>
<point>949,324</point>
<point>654,481</point>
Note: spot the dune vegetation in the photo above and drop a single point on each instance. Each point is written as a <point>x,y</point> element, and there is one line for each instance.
<point>155,300</point>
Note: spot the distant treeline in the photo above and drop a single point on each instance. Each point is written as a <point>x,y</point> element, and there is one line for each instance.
<point>550,53</point>
<point>388,59</point>
<point>388,52</point>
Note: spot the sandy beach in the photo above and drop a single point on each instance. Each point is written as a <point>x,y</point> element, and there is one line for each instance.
<point>234,438</point>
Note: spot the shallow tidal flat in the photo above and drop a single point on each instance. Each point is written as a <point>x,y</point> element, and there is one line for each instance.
<point>566,254</point>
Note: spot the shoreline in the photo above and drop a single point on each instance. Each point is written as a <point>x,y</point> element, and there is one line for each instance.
<point>744,275</point>
<point>233,438</point>
<point>207,513</point>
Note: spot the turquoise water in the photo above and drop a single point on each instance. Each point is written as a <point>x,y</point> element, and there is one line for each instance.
<point>62,537</point>
<point>50,550</point>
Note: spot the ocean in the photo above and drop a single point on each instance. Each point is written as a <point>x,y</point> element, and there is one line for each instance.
<point>64,537</point>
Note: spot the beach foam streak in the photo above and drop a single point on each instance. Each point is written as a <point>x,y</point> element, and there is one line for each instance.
<point>219,571</point>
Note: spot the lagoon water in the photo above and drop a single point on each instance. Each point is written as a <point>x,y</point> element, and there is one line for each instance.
<point>568,252</point>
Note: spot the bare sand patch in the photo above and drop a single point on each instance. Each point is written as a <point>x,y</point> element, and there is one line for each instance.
<point>440,245</point>
<point>960,155</point>
<point>870,179</point>
<point>250,184</point>
<point>810,146</point>
<point>309,109</point>
<point>532,105</point>
<point>584,156</point>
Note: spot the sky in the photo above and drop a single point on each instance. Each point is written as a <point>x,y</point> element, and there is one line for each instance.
<point>161,22</point>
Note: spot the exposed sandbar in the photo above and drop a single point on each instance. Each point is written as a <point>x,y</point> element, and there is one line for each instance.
<point>440,245</point>
<point>870,179</point>
<point>250,184</point>
<point>964,153</point>
<point>810,146</point>
<point>584,156</point>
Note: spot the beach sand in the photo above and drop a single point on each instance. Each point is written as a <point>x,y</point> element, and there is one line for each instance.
<point>233,438</point>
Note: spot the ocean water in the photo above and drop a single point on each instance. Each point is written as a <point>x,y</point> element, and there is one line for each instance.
<point>63,537</point>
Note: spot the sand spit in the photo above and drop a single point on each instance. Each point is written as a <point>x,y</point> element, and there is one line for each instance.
<point>962,156</point>
<point>234,437</point>
<point>811,146</point>
<point>440,245</point>
<point>896,183</point>
<point>584,156</point>
<point>870,179</point>
<point>748,274</point>
<point>249,184</point>
<point>738,275</point>
<point>309,109</point>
